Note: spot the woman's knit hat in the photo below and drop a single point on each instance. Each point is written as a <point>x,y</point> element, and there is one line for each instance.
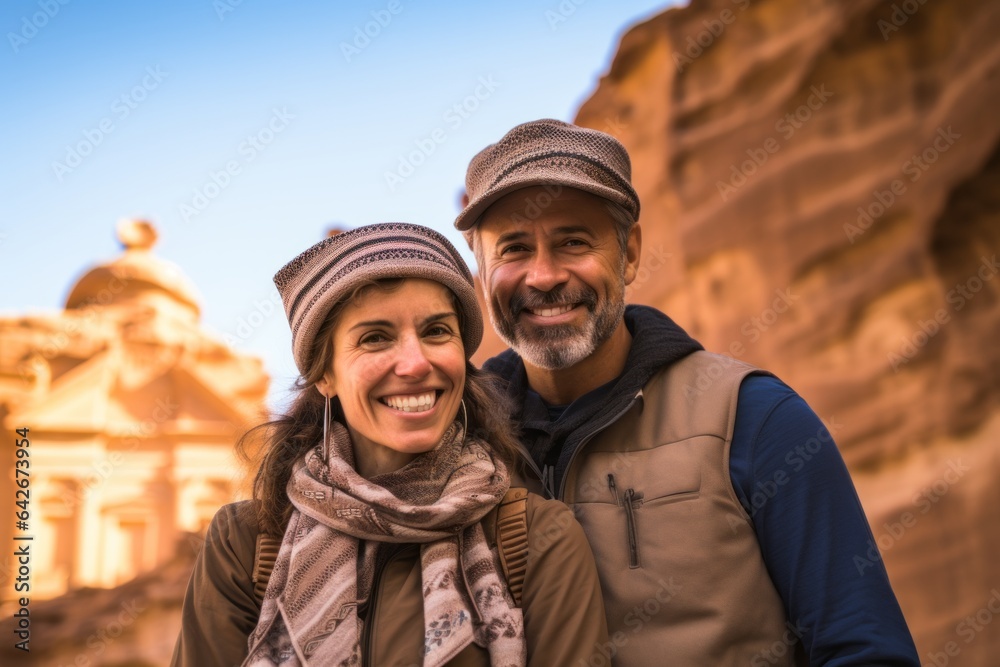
<point>328,272</point>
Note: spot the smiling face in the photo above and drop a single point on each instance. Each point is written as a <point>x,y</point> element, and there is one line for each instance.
<point>398,370</point>
<point>555,283</point>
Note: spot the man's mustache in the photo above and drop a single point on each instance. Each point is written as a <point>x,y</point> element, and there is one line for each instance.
<point>531,298</point>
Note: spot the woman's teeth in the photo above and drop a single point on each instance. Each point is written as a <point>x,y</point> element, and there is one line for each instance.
<point>552,312</point>
<point>412,403</point>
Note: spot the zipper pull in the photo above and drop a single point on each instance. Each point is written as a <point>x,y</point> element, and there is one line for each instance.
<point>613,487</point>
<point>633,540</point>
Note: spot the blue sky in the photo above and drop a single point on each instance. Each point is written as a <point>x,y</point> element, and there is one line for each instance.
<point>244,129</point>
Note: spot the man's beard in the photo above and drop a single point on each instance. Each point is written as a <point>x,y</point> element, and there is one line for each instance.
<point>555,347</point>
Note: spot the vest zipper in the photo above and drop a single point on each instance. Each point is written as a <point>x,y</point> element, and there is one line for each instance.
<point>549,480</point>
<point>616,417</point>
<point>526,455</point>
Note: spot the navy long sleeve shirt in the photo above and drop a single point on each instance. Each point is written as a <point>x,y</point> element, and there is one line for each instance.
<point>813,534</point>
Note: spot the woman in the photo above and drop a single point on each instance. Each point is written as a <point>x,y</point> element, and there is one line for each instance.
<point>382,483</point>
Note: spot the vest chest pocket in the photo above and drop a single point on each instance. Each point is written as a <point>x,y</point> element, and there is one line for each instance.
<point>647,488</point>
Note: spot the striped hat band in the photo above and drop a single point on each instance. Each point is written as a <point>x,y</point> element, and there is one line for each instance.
<point>330,271</point>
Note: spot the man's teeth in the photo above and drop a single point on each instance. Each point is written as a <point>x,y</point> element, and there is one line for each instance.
<point>417,403</point>
<point>552,312</point>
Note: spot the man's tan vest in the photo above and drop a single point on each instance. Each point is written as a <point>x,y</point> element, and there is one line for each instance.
<point>681,570</point>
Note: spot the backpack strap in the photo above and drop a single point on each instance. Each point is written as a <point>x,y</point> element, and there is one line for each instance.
<point>512,539</point>
<point>263,563</point>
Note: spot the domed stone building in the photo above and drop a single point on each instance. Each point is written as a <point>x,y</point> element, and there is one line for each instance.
<point>132,410</point>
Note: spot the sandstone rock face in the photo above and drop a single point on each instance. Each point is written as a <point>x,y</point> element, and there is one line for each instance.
<point>820,186</point>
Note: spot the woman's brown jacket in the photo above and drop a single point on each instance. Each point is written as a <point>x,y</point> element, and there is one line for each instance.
<point>563,610</point>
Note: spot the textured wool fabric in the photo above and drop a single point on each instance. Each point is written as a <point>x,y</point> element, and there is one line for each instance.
<point>553,153</point>
<point>309,615</point>
<point>312,283</point>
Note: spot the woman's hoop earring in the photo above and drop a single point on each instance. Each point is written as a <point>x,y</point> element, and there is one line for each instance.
<point>465,419</point>
<point>326,428</point>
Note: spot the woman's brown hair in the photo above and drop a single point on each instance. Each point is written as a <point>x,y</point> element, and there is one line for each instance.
<point>274,446</point>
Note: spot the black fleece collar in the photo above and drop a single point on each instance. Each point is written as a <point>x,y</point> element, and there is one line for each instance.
<point>657,342</point>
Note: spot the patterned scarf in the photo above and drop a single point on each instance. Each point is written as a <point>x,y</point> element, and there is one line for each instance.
<point>329,552</point>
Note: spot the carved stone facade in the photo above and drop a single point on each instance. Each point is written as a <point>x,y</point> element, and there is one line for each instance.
<point>132,410</point>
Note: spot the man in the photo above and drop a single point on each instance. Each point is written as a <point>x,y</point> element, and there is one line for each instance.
<point>724,522</point>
